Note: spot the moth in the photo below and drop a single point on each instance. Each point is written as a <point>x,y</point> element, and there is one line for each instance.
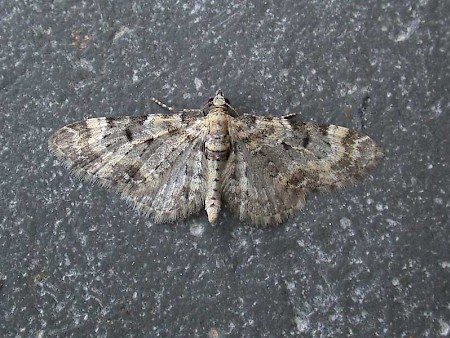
<point>169,166</point>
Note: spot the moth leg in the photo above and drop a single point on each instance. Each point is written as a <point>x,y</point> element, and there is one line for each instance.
<point>236,113</point>
<point>177,110</point>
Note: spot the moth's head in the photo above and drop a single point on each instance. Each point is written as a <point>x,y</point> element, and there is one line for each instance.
<point>218,100</point>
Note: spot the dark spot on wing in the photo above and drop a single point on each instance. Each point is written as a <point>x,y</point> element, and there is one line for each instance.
<point>173,131</point>
<point>132,170</point>
<point>305,141</point>
<point>249,119</point>
<point>296,125</point>
<point>140,119</point>
<point>350,139</point>
<point>110,121</point>
<point>323,129</point>
<point>129,134</point>
<point>285,145</point>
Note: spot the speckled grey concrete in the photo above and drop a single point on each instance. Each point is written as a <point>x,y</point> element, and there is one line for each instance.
<point>370,261</point>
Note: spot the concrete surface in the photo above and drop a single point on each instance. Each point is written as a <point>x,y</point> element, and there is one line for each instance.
<point>369,261</point>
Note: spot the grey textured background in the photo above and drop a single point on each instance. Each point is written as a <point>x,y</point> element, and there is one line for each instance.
<point>369,261</point>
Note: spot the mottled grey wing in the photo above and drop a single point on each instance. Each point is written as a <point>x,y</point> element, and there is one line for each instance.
<point>155,161</point>
<point>276,161</point>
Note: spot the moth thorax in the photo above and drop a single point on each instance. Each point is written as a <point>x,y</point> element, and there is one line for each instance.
<point>218,110</point>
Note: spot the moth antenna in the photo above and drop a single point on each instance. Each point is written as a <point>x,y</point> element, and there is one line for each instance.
<point>176,110</point>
